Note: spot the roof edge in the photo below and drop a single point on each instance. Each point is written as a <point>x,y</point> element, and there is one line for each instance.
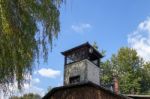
<point>88,83</point>
<point>84,44</point>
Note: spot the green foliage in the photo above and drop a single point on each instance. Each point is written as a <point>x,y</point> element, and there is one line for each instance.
<point>145,81</point>
<point>132,72</point>
<point>103,52</point>
<point>95,45</point>
<point>20,39</point>
<point>27,96</point>
<point>106,75</point>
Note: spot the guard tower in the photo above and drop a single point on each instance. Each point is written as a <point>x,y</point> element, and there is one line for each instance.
<point>82,63</point>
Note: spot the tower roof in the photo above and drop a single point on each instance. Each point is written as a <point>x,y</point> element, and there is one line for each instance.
<point>83,46</point>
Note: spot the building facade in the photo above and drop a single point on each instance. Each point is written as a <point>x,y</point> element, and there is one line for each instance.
<point>81,77</point>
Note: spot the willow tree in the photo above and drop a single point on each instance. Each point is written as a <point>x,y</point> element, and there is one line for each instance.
<point>20,38</point>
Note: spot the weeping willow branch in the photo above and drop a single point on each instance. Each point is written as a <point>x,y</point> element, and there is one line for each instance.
<point>19,45</point>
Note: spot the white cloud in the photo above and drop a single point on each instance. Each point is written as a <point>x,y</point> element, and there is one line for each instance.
<point>48,72</point>
<point>26,85</point>
<point>27,88</point>
<point>80,28</point>
<point>140,39</point>
<point>32,88</point>
<point>36,80</point>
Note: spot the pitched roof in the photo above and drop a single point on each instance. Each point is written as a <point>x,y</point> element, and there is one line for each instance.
<point>139,96</point>
<point>80,46</point>
<point>49,94</point>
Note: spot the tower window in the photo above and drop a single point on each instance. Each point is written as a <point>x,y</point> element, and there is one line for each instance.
<point>74,79</point>
<point>81,52</point>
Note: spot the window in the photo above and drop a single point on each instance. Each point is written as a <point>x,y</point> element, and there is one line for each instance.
<point>74,79</point>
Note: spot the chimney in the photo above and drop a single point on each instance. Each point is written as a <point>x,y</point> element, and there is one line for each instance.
<point>116,85</point>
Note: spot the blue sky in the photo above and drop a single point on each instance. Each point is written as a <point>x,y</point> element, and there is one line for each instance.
<point>110,23</point>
